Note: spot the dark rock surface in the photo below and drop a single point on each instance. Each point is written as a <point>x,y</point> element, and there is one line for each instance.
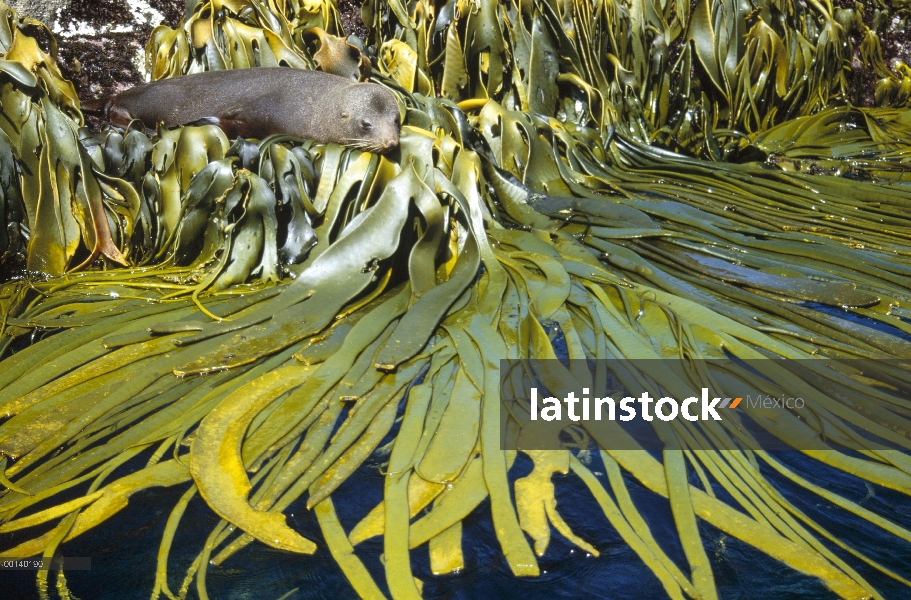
<point>351,17</point>
<point>111,59</point>
<point>43,10</point>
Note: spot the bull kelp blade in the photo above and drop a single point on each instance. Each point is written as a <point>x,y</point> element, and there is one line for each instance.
<point>336,277</point>
<point>343,552</point>
<point>217,468</point>
<point>426,312</point>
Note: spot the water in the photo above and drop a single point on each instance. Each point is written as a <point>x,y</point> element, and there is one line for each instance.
<point>123,551</point>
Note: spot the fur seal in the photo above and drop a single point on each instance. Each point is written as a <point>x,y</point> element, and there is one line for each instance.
<point>261,101</point>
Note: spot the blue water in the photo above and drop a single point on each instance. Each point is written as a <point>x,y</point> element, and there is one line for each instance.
<point>123,550</point>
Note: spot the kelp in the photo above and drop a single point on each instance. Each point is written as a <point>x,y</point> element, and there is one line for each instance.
<point>650,179</point>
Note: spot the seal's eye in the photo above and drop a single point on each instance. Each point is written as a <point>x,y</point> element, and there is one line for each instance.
<point>366,125</point>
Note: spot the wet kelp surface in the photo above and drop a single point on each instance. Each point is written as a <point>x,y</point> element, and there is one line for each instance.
<point>250,321</point>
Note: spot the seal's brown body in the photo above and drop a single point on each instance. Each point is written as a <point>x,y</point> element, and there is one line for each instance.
<point>262,101</point>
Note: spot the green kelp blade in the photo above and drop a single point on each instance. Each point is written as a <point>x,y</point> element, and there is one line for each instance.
<point>334,279</point>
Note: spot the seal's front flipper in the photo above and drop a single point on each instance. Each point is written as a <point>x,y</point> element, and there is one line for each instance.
<point>206,121</point>
<point>229,123</point>
<point>119,116</point>
<point>99,106</point>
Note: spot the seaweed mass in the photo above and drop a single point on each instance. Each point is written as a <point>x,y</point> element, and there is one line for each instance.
<point>251,320</point>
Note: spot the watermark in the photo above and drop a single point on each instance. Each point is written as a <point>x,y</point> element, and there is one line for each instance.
<point>719,404</point>
<point>41,563</point>
<point>666,409</point>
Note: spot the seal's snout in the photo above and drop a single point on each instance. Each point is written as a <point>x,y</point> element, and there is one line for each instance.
<point>389,145</point>
<point>387,133</point>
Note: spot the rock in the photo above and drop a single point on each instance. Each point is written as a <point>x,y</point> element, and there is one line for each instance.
<point>44,10</point>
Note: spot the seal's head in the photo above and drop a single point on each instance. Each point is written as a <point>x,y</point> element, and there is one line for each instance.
<point>370,115</point>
